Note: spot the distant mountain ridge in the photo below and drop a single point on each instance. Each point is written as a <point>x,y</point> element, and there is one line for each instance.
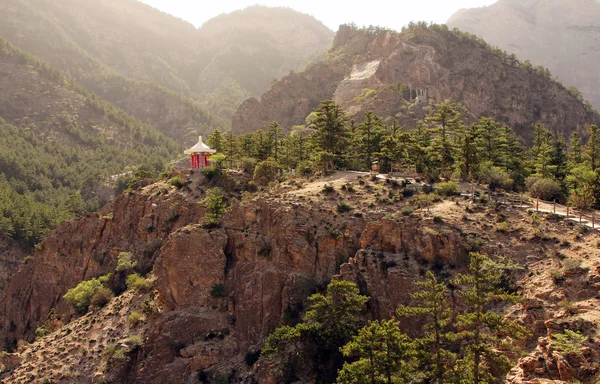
<point>161,69</point>
<point>562,35</point>
<point>375,69</point>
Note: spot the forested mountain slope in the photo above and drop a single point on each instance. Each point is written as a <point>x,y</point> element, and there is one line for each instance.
<point>59,143</point>
<point>375,69</point>
<point>127,51</point>
<point>249,48</point>
<point>562,35</point>
<point>80,38</point>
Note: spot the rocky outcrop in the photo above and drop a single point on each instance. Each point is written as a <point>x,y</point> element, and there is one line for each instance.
<point>560,35</point>
<point>376,70</point>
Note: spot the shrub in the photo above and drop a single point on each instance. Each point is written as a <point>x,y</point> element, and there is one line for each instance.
<point>568,306</point>
<point>305,169</point>
<point>134,318</point>
<point>438,220</point>
<point>545,189</point>
<point>407,211</point>
<point>503,227</point>
<point>494,177</point>
<point>218,160</point>
<point>101,297</point>
<point>266,171</point>
<point>125,261</point>
<point>328,188</point>
<point>211,172</point>
<point>408,191</point>
<point>134,342</point>
<point>80,296</point>
<point>40,332</point>
<point>138,283</point>
<point>177,182</point>
<point>218,290</point>
<point>557,276</point>
<point>569,342</point>
<point>215,206</point>
<point>343,207</point>
<point>449,188</point>
<point>248,164</point>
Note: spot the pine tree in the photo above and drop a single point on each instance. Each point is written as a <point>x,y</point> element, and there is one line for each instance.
<point>447,126</point>
<point>231,148</point>
<point>274,135</point>
<point>575,154</point>
<point>384,355</point>
<point>488,140</point>
<point>330,135</point>
<point>541,151</point>
<point>468,155</point>
<point>370,133</point>
<point>482,330</point>
<point>592,148</point>
<point>432,305</point>
<point>215,140</point>
<point>558,161</point>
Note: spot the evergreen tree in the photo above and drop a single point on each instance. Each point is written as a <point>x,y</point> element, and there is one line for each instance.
<point>489,140</point>
<point>559,159</point>
<point>331,321</point>
<point>231,148</point>
<point>482,330</point>
<point>368,140</point>
<point>447,126</point>
<point>541,151</point>
<point>330,135</point>
<point>382,353</point>
<point>421,139</point>
<point>468,155</point>
<point>434,345</point>
<point>215,140</point>
<point>592,148</point>
<point>274,135</point>
<point>575,154</point>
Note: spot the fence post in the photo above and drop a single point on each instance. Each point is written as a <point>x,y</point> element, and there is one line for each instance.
<point>567,210</point>
<point>593,221</point>
<point>555,207</point>
<point>537,204</point>
<point>580,217</point>
<point>472,192</point>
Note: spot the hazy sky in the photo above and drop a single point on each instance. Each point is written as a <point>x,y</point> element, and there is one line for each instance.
<point>386,13</point>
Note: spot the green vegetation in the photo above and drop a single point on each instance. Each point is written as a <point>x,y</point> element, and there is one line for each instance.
<point>53,164</point>
<point>469,344</point>
<point>125,262</point>
<point>176,182</point>
<point>134,318</point>
<point>138,283</point>
<point>215,207</point>
<point>80,297</point>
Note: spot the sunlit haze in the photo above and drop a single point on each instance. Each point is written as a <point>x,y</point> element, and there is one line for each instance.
<point>385,13</point>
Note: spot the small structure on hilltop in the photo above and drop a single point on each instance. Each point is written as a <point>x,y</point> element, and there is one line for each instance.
<point>200,154</point>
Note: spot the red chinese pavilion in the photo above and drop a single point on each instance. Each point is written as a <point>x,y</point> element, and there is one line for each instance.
<point>200,154</point>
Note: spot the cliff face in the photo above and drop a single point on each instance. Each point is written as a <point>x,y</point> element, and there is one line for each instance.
<point>558,34</point>
<point>376,70</point>
<point>270,253</point>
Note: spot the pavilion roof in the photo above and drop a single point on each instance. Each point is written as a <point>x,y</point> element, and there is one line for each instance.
<point>200,147</point>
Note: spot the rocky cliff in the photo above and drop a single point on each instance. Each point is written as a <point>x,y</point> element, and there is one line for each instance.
<point>558,34</point>
<point>271,251</point>
<point>384,71</point>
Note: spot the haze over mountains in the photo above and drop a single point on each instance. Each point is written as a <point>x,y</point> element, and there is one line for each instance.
<point>368,157</point>
<point>563,36</point>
